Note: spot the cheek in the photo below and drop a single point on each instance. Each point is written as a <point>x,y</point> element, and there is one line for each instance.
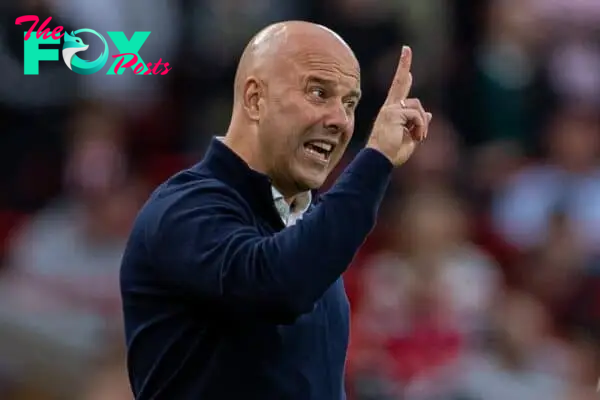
<point>349,130</point>
<point>303,112</point>
<point>287,111</point>
<point>347,136</point>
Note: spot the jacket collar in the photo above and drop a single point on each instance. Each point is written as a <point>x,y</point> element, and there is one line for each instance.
<point>256,188</point>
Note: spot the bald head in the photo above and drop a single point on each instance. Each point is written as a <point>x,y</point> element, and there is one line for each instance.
<point>296,88</point>
<point>284,42</point>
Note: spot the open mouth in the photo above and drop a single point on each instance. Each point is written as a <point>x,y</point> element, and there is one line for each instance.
<point>319,150</point>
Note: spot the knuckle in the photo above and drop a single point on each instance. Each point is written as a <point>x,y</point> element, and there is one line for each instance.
<point>418,118</point>
<point>416,104</point>
<point>393,108</point>
<point>414,113</point>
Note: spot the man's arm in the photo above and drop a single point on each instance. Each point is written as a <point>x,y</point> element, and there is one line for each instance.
<point>209,249</point>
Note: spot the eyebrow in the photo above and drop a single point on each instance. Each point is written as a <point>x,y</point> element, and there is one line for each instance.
<point>328,82</point>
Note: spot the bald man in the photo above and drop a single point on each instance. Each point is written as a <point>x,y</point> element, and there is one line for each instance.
<point>231,279</point>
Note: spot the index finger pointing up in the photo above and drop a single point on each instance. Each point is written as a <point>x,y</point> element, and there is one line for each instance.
<point>402,79</point>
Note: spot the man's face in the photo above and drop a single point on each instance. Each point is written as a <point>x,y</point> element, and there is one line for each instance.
<point>307,116</point>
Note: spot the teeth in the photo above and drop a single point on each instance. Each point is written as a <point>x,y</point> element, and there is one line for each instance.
<point>316,153</point>
<point>322,145</point>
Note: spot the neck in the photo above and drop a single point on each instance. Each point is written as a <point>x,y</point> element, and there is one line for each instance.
<point>242,140</point>
<point>290,200</point>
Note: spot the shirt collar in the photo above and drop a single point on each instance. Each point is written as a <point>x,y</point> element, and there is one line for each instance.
<point>290,213</point>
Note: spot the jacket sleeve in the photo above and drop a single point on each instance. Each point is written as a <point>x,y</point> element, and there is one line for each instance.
<point>209,248</point>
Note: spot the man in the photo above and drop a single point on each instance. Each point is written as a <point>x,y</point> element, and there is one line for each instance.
<point>229,291</point>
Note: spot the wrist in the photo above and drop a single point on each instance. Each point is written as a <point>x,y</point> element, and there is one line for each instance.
<point>371,144</point>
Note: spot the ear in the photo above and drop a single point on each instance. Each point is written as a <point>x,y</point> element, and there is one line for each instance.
<point>252,97</point>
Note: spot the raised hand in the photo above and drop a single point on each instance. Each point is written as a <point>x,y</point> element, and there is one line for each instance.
<point>402,122</point>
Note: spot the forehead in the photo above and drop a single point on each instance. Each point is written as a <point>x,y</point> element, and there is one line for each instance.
<point>329,60</point>
<point>328,66</point>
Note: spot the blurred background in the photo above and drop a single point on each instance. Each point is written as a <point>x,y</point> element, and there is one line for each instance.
<point>482,279</point>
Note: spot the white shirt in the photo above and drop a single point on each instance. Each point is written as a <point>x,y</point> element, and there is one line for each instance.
<point>290,213</point>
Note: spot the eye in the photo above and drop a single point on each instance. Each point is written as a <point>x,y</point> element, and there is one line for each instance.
<point>351,104</point>
<point>317,92</point>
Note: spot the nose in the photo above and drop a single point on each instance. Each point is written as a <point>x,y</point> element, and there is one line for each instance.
<point>337,118</point>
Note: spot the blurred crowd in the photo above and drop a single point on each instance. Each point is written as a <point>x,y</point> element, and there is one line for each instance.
<point>482,279</point>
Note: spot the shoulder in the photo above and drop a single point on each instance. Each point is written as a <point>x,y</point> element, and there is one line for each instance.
<point>187,198</point>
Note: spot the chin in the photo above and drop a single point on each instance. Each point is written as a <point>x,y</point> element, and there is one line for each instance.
<point>309,176</point>
<point>307,182</point>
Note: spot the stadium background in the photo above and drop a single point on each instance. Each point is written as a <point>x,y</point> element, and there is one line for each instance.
<point>481,281</point>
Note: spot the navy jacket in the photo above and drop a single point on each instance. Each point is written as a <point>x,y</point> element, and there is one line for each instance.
<point>221,301</point>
